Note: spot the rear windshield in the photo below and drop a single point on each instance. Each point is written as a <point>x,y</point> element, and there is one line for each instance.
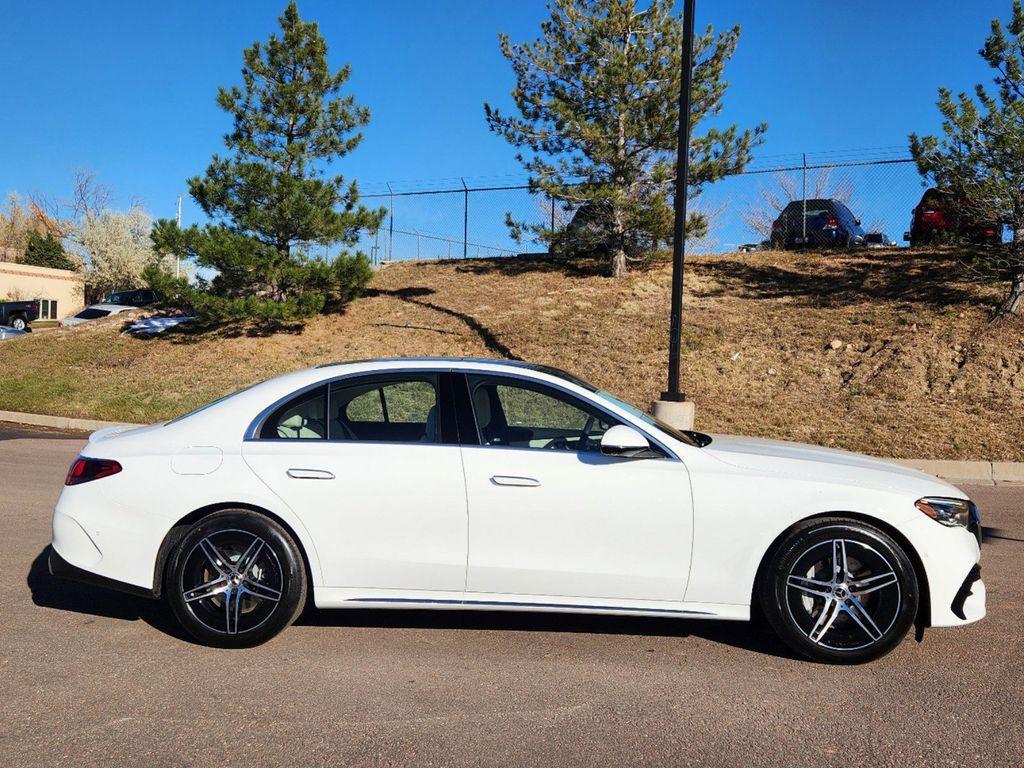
<point>90,313</point>
<point>932,196</point>
<point>813,206</point>
<point>125,297</point>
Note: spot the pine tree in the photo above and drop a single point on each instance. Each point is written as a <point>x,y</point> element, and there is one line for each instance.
<point>598,101</point>
<point>980,158</point>
<point>46,251</point>
<point>273,198</point>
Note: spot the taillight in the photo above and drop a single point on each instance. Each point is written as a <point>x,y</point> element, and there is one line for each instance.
<point>832,223</point>
<point>84,470</point>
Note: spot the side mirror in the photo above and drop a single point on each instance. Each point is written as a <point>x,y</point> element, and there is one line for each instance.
<point>621,440</point>
<point>857,222</point>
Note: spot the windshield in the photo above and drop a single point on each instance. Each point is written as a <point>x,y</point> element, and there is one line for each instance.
<point>688,436</point>
<point>696,439</point>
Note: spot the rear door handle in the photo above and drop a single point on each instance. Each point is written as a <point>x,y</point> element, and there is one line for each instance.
<point>310,474</point>
<point>524,482</point>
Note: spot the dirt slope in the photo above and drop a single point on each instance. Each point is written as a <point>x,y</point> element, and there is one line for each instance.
<point>883,352</point>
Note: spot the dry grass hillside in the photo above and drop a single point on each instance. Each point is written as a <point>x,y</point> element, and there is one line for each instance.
<point>889,353</point>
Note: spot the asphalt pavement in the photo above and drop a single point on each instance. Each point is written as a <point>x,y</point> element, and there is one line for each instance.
<point>90,677</point>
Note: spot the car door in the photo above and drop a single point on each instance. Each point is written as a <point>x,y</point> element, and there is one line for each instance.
<point>372,467</point>
<point>552,519</point>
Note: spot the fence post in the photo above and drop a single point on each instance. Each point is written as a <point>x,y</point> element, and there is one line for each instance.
<point>391,224</point>
<point>804,195</point>
<point>552,199</point>
<point>465,218</point>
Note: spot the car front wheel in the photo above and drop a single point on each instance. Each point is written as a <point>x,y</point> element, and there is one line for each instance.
<point>840,591</point>
<point>236,579</point>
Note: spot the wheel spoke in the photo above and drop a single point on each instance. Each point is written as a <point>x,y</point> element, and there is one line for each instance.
<point>873,583</point>
<point>217,560</point>
<point>248,558</point>
<point>839,564</point>
<point>810,586</point>
<point>232,602</point>
<point>857,612</point>
<point>261,591</point>
<point>825,618</point>
<point>209,589</point>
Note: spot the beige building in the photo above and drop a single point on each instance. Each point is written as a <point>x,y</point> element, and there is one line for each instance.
<point>64,289</point>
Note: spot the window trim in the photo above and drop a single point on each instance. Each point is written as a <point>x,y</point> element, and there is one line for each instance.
<point>453,418</point>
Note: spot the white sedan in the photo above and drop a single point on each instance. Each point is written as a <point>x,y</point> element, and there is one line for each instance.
<point>478,484</point>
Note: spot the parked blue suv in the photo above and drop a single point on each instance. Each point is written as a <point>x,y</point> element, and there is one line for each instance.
<point>830,224</point>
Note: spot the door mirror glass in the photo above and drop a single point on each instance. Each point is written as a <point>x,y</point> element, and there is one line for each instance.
<point>621,440</point>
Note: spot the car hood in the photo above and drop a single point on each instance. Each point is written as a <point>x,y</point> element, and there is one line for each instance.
<point>812,462</point>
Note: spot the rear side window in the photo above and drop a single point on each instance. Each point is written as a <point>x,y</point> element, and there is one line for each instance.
<point>302,418</point>
<point>398,409</point>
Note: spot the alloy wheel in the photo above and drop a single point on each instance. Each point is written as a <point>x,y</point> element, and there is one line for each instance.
<point>231,581</point>
<point>843,594</point>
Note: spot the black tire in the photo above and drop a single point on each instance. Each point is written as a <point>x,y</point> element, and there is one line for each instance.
<point>826,618</point>
<point>235,579</point>
<point>19,323</point>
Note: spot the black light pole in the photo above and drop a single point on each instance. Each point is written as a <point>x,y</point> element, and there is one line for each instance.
<point>679,232</point>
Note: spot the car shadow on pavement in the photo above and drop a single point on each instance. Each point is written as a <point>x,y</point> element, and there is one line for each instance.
<point>50,592</point>
<point>61,594</point>
<point>749,636</point>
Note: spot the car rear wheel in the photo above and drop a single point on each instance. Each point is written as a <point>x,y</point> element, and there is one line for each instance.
<point>840,591</point>
<point>236,579</point>
<point>18,323</point>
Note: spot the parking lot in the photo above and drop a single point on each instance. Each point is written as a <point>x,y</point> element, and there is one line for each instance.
<point>92,677</point>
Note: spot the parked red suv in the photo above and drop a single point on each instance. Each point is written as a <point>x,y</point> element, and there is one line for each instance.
<point>935,218</point>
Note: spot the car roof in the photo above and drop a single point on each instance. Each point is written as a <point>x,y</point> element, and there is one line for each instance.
<point>481,361</point>
<point>112,307</point>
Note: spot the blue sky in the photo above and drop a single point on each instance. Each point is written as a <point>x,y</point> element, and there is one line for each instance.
<point>127,88</point>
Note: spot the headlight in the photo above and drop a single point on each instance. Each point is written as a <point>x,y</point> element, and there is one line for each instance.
<point>946,511</point>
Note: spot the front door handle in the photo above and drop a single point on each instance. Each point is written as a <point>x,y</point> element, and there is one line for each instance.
<point>310,474</point>
<point>523,482</point>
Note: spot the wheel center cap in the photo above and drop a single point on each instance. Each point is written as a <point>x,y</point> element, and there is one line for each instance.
<point>841,592</point>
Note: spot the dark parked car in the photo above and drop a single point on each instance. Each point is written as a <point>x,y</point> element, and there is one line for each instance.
<point>829,224</point>
<point>139,297</point>
<point>18,314</point>
<point>936,218</point>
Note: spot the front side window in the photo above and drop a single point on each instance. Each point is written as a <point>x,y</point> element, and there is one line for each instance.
<point>302,418</point>
<point>520,414</point>
<point>399,409</point>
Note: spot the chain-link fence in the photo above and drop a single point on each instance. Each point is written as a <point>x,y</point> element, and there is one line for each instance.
<point>879,187</point>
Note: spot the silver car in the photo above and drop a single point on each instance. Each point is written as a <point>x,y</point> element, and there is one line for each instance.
<point>6,332</point>
<point>95,312</point>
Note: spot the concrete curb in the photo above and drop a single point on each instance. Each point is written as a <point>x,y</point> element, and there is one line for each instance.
<point>973,472</point>
<point>967,472</point>
<point>57,422</point>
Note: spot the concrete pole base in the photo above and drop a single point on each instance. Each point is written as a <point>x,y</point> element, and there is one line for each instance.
<point>678,414</point>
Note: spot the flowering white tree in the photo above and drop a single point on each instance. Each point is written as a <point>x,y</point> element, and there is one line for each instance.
<point>117,247</point>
